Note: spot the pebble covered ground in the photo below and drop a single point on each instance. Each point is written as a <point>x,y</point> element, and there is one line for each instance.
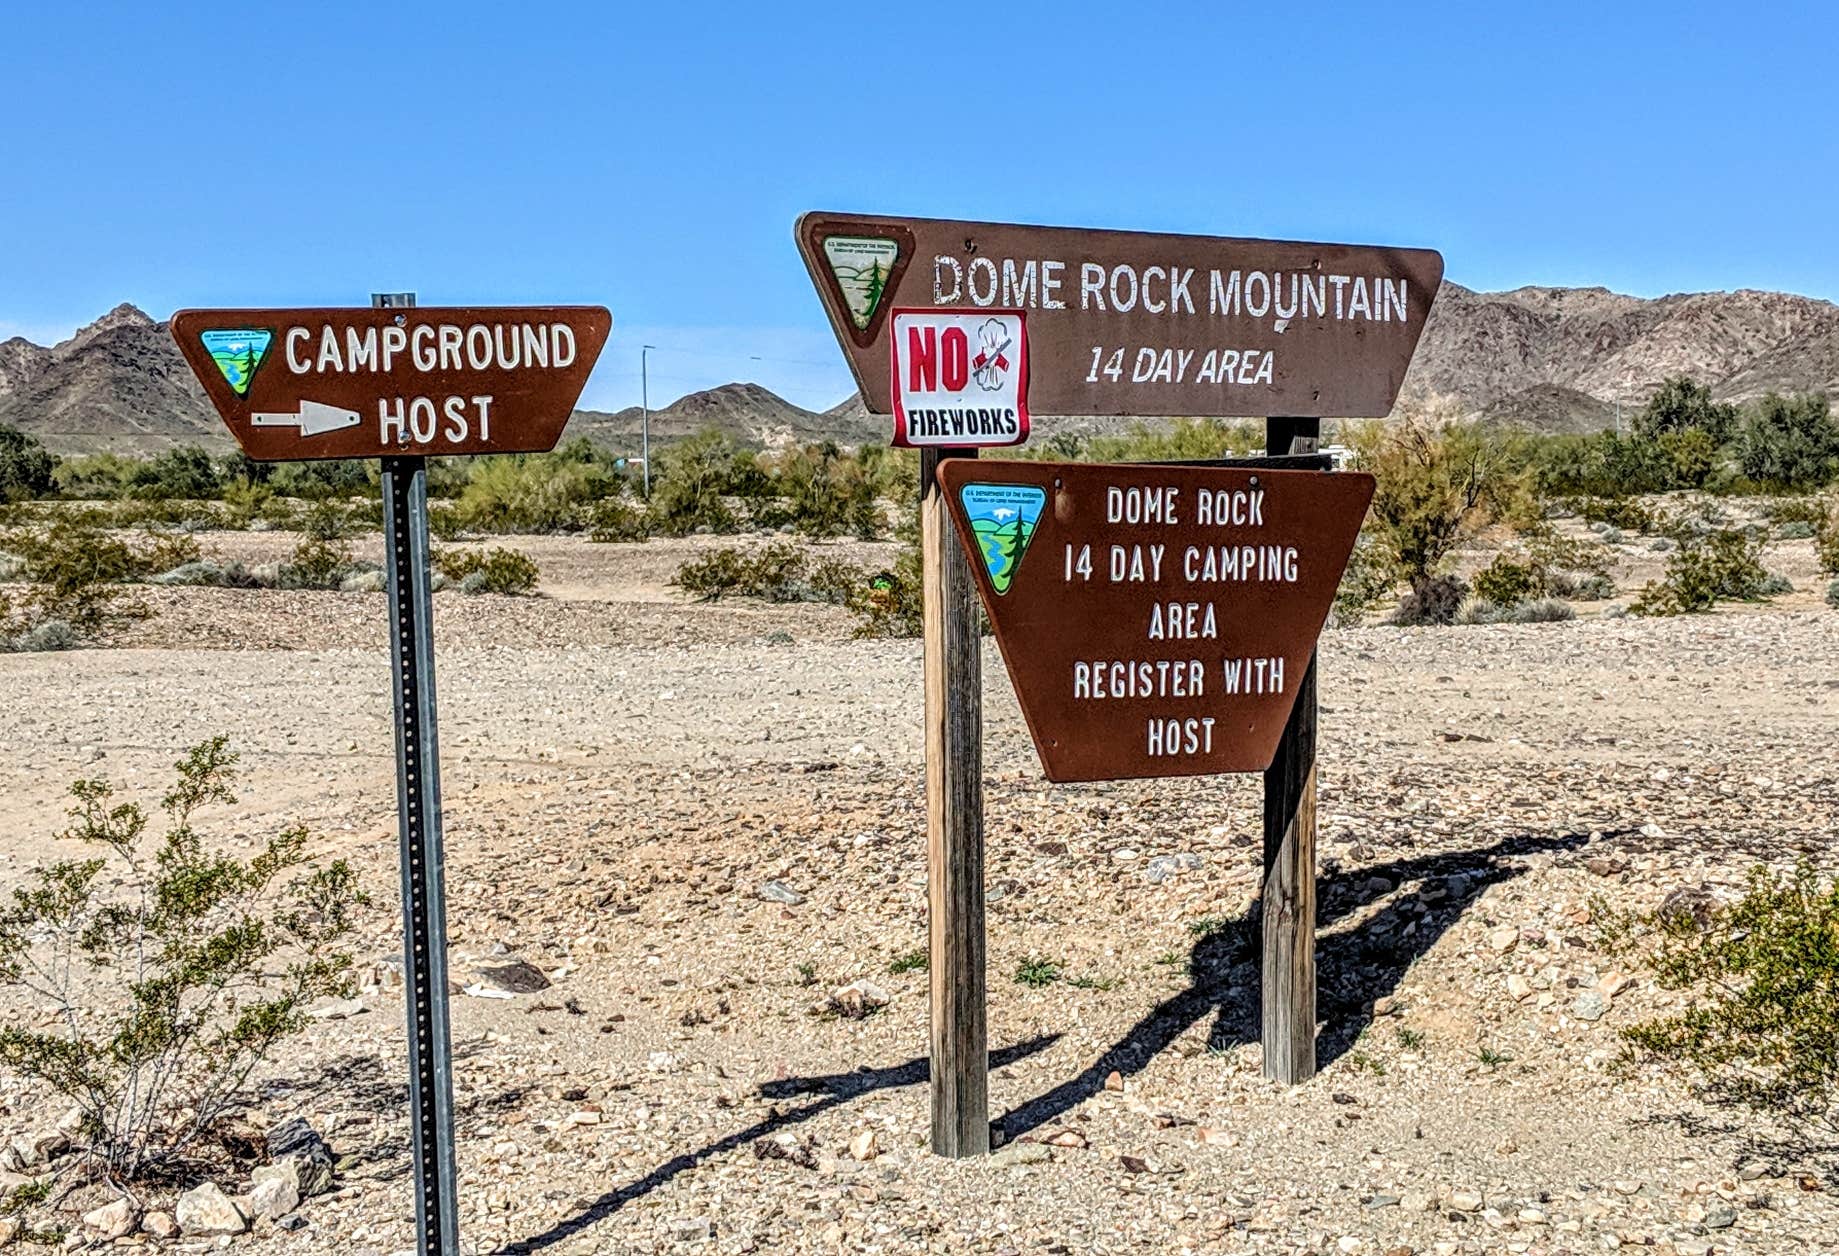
<point>703,823</point>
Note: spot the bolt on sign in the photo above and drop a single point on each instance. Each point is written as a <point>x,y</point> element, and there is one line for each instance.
<point>1136,322</point>
<point>393,382</point>
<point>1155,620</point>
<point>960,377</point>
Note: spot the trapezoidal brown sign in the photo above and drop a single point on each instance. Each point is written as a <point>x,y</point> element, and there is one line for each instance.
<point>299,385</point>
<point>1155,620</point>
<point>1137,322</point>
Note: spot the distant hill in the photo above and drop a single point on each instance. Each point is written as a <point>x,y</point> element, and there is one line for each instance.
<point>1561,358</point>
<point>747,413</point>
<point>1549,359</point>
<point>118,384</point>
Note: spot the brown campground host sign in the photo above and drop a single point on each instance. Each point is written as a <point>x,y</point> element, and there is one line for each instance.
<point>367,383</point>
<point>1156,620</point>
<point>1134,322</point>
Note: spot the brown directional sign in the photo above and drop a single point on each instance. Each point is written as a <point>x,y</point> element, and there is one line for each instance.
<point>1134,322</point>
<point>1156,620</point>
<point>296,385</point>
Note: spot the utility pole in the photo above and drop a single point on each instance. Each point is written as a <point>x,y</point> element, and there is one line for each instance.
<point>645,415</point>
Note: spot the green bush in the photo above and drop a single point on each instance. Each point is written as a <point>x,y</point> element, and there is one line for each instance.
<point>1436,485</point>
<point>779,572</point>
<point>532,493</point>
<point>316,563</point>
<point>1826,540</point>
<point>76,571</point>
<point>829,492</point>
<point>147,982</point>
<point>1790,442</point>
<point>1832,593</point>
<point>1627,513</point>
<point>1761,979</point>
<point>1505,582</point>
<point>1681,406</point>
<point>618,519</point>
<point>1725,565</point>
<point>186,473</point>
<point>26,470</point>
<point>495,570</point>
<point>694,477</point>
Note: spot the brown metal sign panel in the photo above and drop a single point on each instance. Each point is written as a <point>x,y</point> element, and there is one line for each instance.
<point>1156,620</point>
<point>1136,322</point>
<point>298,385</point>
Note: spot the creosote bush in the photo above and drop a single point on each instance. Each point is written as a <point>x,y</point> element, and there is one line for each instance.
<point>1725,565</point>
<point>495,570</point>
<point>1761,1023</point>
<point>147,980</point>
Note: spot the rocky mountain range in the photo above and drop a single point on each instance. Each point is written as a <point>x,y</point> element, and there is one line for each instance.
<point>1553,359</point>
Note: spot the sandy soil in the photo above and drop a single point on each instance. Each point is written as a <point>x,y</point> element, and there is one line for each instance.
<point>624,771</point>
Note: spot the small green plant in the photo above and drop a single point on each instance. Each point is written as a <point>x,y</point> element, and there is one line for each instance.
<point>495,570</point>
<point>1036,972</point>
<point>619,519</point>
<point>1761,1022</point>
<point>1826,540</point>
<point>316,563</point>
<point>150,980</point>
<point>1505,582</point>
<point>1170,959</point>
<point>1410,1039</point>
<point>1832,593</point>
<point>1725,565</point>
<point>807,972</point>
<point>1490,1058</point>
<point>912,961</point>
<point>1366,1063</point>
<point>1091,981</point>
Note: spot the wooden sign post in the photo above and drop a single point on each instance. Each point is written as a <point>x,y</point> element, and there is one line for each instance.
<point>1287,898</point>
<point>954,825</point>
<point>1120,323</point>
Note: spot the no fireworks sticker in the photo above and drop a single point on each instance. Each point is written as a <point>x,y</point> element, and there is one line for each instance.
<point>960,377</point>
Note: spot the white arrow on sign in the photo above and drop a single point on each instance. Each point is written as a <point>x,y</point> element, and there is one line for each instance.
<point>315,418</point>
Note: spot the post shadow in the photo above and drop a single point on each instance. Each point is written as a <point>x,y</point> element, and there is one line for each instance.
<point>1354,968</point>
<point>836,1089</point>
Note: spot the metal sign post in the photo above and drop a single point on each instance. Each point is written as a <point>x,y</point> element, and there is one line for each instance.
<point>418,809</point>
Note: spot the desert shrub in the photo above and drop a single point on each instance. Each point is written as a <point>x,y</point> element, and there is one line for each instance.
<point>1826,540</point>
<point>1601,465</point>
<point>694,477</point>
<point>1184,440</point>
<point>829,493</point>
<point>26,469</point>
<point>774,573</point>
<point>1691,456</point>
<point>77,572</point>
<point>316,563</point>
<point>246,500</point>
<point>1367,579</point>
<point>1832,593</point>
<point>1479,610</point>
<point>1544,610</point>
<point>494,570</point>
<point>310,481</point>
<point>1683,406</point>
<point>208,574</point>
<point>1761,975</point>
<point>1436,484</point>
<point>1726,565</point>
<point>1789,510</point>
<point>532,493</point>
<point>186,473</point>
<point>1627,513</point>
<point>614,519</point>
<point>1790,442</point>
<point>1796,530</point>
<point>1505,582</point>
<point>1433,602</point>
<point>150,979</point>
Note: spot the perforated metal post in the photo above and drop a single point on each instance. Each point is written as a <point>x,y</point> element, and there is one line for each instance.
<point>418,808</point>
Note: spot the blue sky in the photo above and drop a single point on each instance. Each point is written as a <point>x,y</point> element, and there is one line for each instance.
<point>652,157</point>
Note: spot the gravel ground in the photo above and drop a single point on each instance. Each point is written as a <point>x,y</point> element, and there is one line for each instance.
<point>625,772</point>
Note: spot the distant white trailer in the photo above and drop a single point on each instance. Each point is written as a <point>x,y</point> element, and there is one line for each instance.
<point>1340,453</point>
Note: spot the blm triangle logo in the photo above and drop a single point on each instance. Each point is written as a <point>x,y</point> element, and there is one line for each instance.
<point>863,266</point>
<point>237,354</point>
<point>1003,518</point>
